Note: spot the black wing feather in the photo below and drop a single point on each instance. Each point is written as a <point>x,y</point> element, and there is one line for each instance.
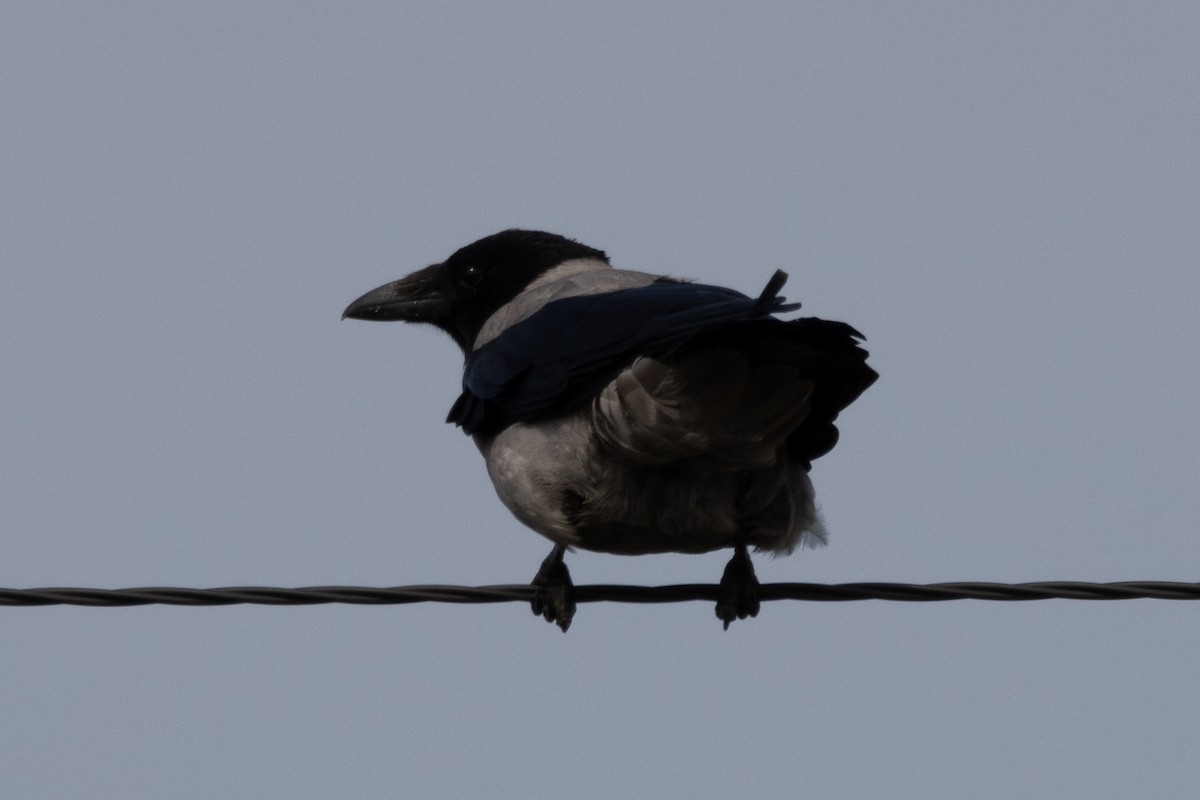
<point>559,357</point>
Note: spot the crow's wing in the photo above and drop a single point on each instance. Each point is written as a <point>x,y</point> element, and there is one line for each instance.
<point>730,396</point>
<point>561,356</point>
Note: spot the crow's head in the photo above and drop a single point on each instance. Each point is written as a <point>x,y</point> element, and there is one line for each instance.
<point>459,294</point>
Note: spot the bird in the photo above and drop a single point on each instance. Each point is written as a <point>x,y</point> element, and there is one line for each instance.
<point>632,413</point>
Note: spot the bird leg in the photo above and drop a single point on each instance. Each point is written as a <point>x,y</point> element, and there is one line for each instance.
<point>555,599</point>
<point>738,596</point>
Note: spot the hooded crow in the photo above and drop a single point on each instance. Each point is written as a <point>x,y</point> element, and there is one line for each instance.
<point>630,413</point>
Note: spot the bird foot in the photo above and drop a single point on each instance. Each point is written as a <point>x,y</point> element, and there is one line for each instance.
<point>738,596</point>
<point>556,599</point>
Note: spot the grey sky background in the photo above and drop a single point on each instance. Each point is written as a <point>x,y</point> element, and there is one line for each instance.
<point>1005,198</point>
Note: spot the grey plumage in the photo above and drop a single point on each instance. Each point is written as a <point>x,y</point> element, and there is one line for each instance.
<point>629,413</point>
<point>701,437</point>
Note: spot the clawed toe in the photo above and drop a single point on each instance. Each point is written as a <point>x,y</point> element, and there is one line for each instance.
<point>556,601</point>
<point>738,592</point>
<point>738,597</point>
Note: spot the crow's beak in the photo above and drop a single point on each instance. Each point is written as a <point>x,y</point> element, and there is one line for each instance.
<point>416,298</point>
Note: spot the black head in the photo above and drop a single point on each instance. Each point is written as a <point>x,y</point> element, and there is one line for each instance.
<point>459,294</point>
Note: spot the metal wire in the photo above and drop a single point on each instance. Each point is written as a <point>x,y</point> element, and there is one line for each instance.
<point>597,593</point>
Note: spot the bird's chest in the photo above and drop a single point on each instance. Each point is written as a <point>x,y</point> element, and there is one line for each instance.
<point>555,479</point>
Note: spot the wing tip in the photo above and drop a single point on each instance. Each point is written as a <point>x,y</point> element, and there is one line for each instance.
<point>769,300</point>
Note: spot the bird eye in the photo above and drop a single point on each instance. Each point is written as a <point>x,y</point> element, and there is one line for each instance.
<point>470,276</point>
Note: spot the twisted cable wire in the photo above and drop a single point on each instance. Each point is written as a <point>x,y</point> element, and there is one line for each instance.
<point>597,593</point>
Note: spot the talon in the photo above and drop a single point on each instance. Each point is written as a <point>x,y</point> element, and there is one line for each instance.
<point>555,602</point>
<point>738,589</point>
